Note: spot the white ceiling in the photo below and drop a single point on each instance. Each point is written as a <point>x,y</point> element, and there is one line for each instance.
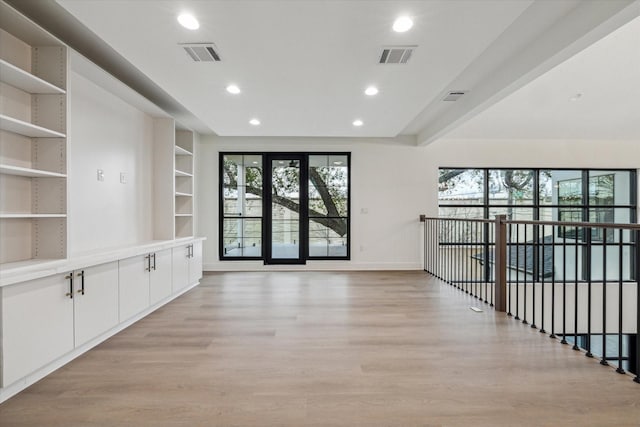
<point>606,74</point>
<point>303,65</point>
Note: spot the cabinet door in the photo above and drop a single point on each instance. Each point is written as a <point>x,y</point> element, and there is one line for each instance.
<point>195,263</point>
<point>180,267</point>
<point>160,284</point>
<point>133,283</point>
<point>95,304</point>
<point>37,325</point>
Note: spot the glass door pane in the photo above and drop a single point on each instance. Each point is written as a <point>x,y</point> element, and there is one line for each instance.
<point>286,198</point>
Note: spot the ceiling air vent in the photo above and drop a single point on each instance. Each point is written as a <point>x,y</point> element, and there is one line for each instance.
<point>454,95</point>
<point>396,54</point>
<point>201,52</point>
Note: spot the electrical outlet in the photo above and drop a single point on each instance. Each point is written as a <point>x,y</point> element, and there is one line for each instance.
<point>100,175</point>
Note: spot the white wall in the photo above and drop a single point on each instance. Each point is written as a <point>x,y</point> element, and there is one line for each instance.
<point>389,181</point>
<point>396,182</point>
<point>107,133</point>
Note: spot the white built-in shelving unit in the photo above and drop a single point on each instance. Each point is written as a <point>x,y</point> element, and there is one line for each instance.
<point>183,189</point>
<point>131,238</point>
<point>33,145</point>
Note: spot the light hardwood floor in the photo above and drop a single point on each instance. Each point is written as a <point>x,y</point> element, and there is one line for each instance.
<point>328,349</point>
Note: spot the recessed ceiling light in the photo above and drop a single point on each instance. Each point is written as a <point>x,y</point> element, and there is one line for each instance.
<point>233,89</point>
<point>188,21</point>
<point>358,122</point>
<point>371,90</point>
<point>402,24</point>
<point>254,122</point>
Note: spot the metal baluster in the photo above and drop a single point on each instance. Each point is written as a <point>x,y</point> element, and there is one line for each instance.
<point>620,369</point>
<point>564,285</point>
<point>487,286</point>
<point>451,254</point>
<point>542,284</point>
<point>589,280</point>
<point>492,283</point>
<point>553,281</point>
<point>535,244</point>
<point>603,361</point>
<point>575,296</point>
<point>509,270</point>
<point>463,257</point>
<point>517,272</point>
<point>637,271</point>
<point>524,315</point>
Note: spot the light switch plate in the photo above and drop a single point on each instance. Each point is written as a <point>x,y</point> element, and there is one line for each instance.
<point>100,175</point>
<point>123,178</point>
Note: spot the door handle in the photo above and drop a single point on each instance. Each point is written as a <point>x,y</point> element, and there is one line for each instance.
<point>81,276</point>
<point>70,278</point>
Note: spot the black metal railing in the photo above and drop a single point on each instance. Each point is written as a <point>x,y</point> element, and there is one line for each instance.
<point>576,281</point>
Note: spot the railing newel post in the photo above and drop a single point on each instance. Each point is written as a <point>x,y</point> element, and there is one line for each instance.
<point>500,263</point>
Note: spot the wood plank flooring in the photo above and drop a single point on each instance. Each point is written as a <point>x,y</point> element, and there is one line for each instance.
<point>328,349</point>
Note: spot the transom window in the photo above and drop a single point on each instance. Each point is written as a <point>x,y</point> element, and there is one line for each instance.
<point>539,194</point>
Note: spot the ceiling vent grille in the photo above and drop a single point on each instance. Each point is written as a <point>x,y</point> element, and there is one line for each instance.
<point>454,95</point>
<point>396,54</point>
<point>201,52</point>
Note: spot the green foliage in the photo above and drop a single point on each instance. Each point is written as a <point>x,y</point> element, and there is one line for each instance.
<point>328,189</point>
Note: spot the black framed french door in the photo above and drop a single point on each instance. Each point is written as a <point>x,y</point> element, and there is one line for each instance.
<point>286,192</point>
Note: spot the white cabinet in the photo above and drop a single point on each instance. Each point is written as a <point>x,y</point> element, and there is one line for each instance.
<point>180,261</point>
<point>144,281</point>
<point>133,280</point>
<point>195,262</point>
<point>33,150</point>
<point>47,322</point>
<point>37,325</point>
<point>160,276</point>
<point>44,319</point>
<point>187,265</point>
<point>95,301</point>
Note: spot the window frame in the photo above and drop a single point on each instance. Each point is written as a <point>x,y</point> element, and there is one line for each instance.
<point>584,208</point>
<point>304,218</point>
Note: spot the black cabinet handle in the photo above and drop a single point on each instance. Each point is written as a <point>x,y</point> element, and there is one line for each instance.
<point>81,276</point>
<point>154,261</point>
<point>148,259</point>
<point>70,277</point>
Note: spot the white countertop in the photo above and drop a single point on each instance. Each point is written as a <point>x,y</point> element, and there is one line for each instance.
<point>22,271</point>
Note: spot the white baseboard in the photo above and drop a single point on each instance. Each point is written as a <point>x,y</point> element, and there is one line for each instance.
<point>312,266</point>
<point>23,383</point>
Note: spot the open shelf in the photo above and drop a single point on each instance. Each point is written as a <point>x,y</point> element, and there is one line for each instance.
<point>179,151</point>
<point>183,194</point>
<point>181,173</point>
<point>32,173</point>
<point>25,81</point>
<point>27,129</point>
<point>179,214</point>
<point>30,215</point>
